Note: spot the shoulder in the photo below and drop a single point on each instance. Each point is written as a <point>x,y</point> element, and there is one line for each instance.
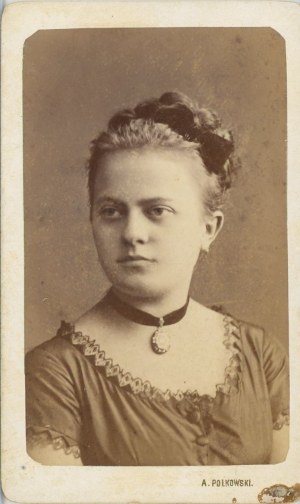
<point>55,346</point>
<point>260,349</point>
<point>253,341</point>
<point>220,322</point>
<point>258,339</point>
<point>57,354</point>
<point>62,346</point>
<point>252,336</point>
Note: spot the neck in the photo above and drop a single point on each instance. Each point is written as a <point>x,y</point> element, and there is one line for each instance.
<point>158,305</point>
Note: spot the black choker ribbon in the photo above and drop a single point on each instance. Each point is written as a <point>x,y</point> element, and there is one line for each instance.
<point>160,341</point>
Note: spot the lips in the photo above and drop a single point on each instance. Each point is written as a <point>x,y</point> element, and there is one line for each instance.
<point>133,258</point>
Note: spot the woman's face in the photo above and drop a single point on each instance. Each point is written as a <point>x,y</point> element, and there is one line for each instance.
<point>149,221</point>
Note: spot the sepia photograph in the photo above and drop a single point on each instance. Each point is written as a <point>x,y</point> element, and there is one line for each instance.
<point>153,307</point>
<point>134,140</point>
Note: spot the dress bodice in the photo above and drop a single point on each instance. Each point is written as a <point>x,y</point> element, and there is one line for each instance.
<point>84,402</point>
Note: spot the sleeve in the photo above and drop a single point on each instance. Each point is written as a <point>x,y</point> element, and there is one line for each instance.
<point>52,409</point>
<point>276,370</point>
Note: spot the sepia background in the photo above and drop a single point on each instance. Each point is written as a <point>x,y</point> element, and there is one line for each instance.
<point>74,80</point>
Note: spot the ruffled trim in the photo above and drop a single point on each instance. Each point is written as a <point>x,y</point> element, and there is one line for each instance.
<point>137,386</point>
<point>282,419</point>
<point>233,372</point>
<point>46,436</point>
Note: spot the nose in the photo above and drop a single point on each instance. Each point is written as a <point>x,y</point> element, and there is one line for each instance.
<point>135,228</point>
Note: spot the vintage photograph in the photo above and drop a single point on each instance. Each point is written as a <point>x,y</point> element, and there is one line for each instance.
<point>156,321</point>
<point>150,252</point>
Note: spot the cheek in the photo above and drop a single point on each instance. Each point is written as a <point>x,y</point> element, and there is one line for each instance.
<point>185,241</point>
<point>104,239</point>
<point>190,246</point>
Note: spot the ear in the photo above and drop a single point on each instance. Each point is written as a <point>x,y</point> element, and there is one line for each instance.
<point>213,225</point>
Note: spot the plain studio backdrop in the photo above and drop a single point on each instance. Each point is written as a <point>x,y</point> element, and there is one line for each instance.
<point>74,80</point>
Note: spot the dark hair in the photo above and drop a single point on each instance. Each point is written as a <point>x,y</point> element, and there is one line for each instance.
<point>171,121</point>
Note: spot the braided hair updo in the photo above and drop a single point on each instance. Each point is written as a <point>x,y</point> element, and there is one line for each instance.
<point>172,121</point>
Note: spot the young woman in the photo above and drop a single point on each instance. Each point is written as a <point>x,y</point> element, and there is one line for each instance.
<point>149,376</point>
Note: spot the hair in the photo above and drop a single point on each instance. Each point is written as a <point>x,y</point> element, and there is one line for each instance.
<point>172,121</point>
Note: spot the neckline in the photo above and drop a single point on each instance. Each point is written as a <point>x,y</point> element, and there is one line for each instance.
<point>141,317</point>
<point>143,388</point>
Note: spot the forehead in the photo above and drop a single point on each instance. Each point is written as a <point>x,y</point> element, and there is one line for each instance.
<point>144,172</point>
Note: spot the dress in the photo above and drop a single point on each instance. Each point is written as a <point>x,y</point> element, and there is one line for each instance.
<point>84,403</point>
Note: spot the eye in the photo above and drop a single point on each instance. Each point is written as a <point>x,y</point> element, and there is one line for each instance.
<point>159,211</point>
<point>109,212</point>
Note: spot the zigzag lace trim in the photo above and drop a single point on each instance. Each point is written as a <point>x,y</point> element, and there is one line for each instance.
<point>232,342</point>
<point>44,436</point>
<point>138,386</point>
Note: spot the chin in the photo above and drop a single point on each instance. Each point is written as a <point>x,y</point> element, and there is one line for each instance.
<point>136,287</point>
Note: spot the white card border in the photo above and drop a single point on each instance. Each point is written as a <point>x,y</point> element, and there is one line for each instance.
<point>23,479</point>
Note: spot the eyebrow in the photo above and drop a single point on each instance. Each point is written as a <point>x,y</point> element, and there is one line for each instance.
<point>118,201</point>
<point>108,199</point>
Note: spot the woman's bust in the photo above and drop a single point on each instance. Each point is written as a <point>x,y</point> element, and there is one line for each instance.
<point>155,206</point>
<point>157,179</point>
